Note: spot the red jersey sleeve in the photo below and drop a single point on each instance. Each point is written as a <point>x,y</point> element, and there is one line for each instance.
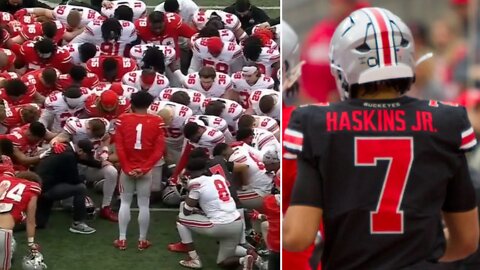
<point>186,30</point>
<point>120,128</point>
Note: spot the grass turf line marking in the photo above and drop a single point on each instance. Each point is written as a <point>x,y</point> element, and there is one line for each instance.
<point>202,7</point>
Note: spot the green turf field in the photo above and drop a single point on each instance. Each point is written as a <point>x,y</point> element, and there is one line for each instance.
<point>64,250</point>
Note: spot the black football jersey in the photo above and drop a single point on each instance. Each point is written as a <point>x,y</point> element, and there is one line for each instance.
<point>382,171</point>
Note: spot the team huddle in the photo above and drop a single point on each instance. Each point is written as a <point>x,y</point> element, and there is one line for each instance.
<point>178,103</point>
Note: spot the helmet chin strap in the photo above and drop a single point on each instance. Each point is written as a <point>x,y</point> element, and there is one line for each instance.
<point>424,58</point>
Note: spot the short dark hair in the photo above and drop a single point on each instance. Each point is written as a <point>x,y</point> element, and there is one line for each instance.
<point>214,107</point>
<point>156,17</point>
<point>49,29</point>
<point>207,72</point>
<point>242,5</point>
<point>50,76</point>
<point>111,29</point>
<point>37,129</point>
<point>215,22</point>
<point>45,45</point>
<point>401,85</point>
<point>246,121</point>
<point>15,88</point>
<point>154,58</point>
<point>97,127</point>
<point>252,47</point>
<point>208,31</point>
<point>180,97</point>
<point>190,129</point>
<point>72,92</point>
<point>78,73</point>
<point>141,100</point>
<point>266,104</point>
<point>6,147</point>
<point>171,6</point>
<point>109,64</point>
<point>196,164</point>
<point>199,152</point>
<point>124,13</point>
<point>244,133</point>
<point>219,149</point>
<point>87,50</point>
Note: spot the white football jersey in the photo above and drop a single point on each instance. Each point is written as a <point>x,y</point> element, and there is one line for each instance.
<point>73,49</point>
<point>267,123</point>
<point>265,142</point>
<point>231,113</point>
<point>230,55</point>
<point>214,198</point>
<point>196,98</point>
<point>255,102</point>
<point>225,34</point>
<point>133,79</point>
<point>137,52</point>
<point>221,84</point>
<point>61,13</point>
<point>245,90</point>
<point>268,57</point>
<point>187,8</point>
<point>77,128</point>
<point>139,8</point>
<point>93,34</point>
<point>231,21</point>
<point>214,122</point>
<point>257,174</point>
<point>57,111</point>
<point>104,86</point>
<point>209,139</point>
<point>180,115</point>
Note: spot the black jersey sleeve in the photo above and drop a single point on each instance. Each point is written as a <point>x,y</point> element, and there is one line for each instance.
<point>460,195</point>
<point>307,189</point>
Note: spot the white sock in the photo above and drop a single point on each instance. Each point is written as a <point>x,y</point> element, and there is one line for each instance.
<point>124,214</point>
<point>241,260</point>
<point>193,254</point>
<point>143,216</point>
<point>111,175</point>
<point>240,251</point>
<point>185,233</point>
<point>243,239</point>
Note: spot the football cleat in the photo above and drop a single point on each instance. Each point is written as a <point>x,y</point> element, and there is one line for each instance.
<point>191,263</point>
<point>120,244</point>
<point>108,214</point>
<point>178,247</point>
<point>143,244</point>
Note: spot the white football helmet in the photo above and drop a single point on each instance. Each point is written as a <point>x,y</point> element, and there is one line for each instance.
<point>171,195</point>
<point>33,261</point>
<point>372,44</point>
<point>290,57</point>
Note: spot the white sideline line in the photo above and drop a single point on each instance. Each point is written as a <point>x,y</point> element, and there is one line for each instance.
<point>136,209</point>
<point>203,7</point>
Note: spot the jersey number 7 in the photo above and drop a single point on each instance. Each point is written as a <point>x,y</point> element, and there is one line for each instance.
<point>398,151</point>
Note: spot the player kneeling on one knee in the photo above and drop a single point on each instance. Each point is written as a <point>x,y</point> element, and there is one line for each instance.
<point>210,210</point>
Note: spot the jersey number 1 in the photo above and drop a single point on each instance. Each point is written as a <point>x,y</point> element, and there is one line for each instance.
<point>138,137</point>
<point>398,151</point>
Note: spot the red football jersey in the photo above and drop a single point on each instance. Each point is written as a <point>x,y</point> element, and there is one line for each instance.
<point>65,80</point>
<point>27,98</point>
<point>60,60</point>
<point>14,116</point>
<point>271,209</point>
<point>32,79</point>
<point>125,65</point>
<point>17,197</point>
<point>20,140</point>
<point>4,37</point>
<point>92,109</point>
<point>5,18</point>
<point>34,31</point>
<point>11,60</point>
<point>174,28</point>
<point>139,141</point>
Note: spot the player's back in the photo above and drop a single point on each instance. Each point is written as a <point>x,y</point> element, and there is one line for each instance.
<point>386,169</point>
<point>215,199</point>
<point>15,200</point>
<point>139,133</point>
